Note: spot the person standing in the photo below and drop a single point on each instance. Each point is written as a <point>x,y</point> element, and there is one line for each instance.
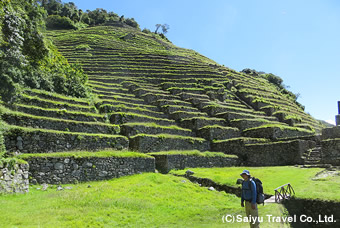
<point>248,199</point>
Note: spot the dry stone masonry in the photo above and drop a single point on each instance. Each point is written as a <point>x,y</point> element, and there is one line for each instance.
<point>62,170</point>
<point>14,179</point>
<point>40,141</point>
<point>167,162</point>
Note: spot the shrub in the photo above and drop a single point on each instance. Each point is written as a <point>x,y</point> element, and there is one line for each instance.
<point>147,31</point>
<point>58,22</point>
<point>131,22</point>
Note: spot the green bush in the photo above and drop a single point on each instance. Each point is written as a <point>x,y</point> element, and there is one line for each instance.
<point>147,31</point>
<point>28,59</point>
<point>58,22</point>
<point>131,22</point>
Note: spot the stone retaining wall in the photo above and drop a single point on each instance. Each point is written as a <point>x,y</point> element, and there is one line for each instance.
<point>331,133</point>
<point>315,209</point>
<point>60,125</point>
<point>331,151</point>
<point>266,154</point>
<point>153,143</point>
<point>281,153</point>
<point>165,163</point>
<point>14,179</point>
<point>64,170</point>
<point>37,141</point>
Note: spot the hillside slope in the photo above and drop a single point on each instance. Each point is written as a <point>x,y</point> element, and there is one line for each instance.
<point>151,96</point>
<point>111,54</point>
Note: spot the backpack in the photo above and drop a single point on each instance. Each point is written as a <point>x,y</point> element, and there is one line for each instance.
<point>259,190</point>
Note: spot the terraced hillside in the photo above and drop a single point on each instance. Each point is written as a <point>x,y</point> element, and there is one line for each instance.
<point>151,96</point>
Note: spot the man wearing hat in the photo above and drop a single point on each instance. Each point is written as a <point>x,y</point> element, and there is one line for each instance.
<point>248,198</point>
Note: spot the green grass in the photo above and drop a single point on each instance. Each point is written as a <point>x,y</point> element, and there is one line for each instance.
<point>148,124</point>
<point>142,116</point>
<point>272,177</point>
<point>144,200</point>
<point>9,112</point>
<point>84,154</point>
<point>282,127</point>
<point>193,153</point>
<point>52,102</point>
<point>59,96</point>
<point>30,129</point>
<point>170,136</point>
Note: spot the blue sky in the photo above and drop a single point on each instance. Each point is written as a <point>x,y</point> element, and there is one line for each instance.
<point>296,40</point>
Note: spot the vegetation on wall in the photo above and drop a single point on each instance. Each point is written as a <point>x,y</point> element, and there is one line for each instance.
<point>276,81</point>
<point>28,59</point>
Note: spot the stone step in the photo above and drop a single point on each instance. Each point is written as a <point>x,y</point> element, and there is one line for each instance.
<point>216,132</point>
<point>25,120</point>
<point>30,140</point>
<point>44,103</point>
<point>60,114</point>
<point>163,142</point>
<point>122,117</point>
<point>131,129</point>
<point>196,123</point>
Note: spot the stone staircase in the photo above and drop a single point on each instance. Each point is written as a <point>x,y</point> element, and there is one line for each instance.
<point>313,156</point>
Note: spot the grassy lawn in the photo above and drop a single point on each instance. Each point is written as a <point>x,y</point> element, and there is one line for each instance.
<point>144,200</point>
<point>302,179</point>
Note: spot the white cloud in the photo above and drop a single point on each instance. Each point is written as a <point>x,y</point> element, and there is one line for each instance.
<point>330,121</point>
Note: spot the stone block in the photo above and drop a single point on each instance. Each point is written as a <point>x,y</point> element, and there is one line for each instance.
<point>331,151</point>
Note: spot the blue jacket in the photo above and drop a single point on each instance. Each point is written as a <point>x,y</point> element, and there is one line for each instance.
<point>248,194</point>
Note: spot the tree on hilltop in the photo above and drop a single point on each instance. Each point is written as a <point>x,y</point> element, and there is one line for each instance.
<point>165,28</point>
